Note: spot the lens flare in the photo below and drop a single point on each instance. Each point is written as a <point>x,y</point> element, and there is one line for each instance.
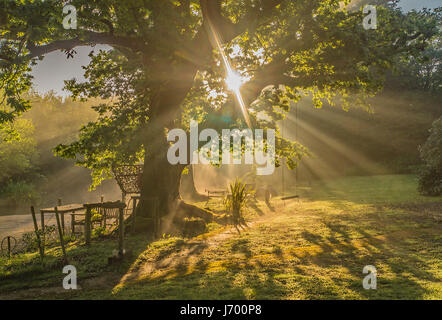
<point>234,81</point>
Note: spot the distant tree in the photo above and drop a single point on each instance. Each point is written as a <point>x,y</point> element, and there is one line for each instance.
<point>57,119</point>
<point>356,4</point>
<point>430,179</point>
<point>18,154</point>
<point>422,72</point>
<point>165,68</point>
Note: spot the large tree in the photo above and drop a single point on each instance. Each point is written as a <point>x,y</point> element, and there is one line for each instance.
<point>167,64</point>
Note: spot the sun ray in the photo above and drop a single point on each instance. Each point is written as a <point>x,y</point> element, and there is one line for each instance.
<point>233,79</point>
<point>346,152</point>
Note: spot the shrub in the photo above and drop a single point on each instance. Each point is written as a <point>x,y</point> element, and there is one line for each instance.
<point>96,216</point>
<point>29,239</point>
<point>236,202</point>
<point>98,232</point>
<point>430,178</point>
<point>21,192</point>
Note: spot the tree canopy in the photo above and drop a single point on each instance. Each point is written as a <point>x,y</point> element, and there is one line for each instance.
<point>169,59</point>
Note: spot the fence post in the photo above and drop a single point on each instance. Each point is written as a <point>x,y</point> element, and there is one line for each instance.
<point>60,233</point>
<point>40,247</point>
<point>9,247</point>
<point>134,214</point>
<point>87,226</point>
<point>73,223</point>
<point>42,222</point>
<point>121,232</point>
<point>59,202</point>
<point>103,213</point>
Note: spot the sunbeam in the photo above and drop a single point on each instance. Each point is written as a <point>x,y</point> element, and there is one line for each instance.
<point>233,78</point>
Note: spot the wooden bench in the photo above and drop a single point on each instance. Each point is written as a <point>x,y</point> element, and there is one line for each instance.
<point>221,193</point>
<point>61,210</point>
<point>108,218</point>
<point>75,222</point>
<point>215,193</point>
<point>118,205</point>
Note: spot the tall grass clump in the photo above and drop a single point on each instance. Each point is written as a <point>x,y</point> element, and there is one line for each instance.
<point>236,202</point>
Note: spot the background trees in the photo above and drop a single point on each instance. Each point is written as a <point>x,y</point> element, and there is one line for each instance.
<point>166,67</point>
<point>18,162</point>
<point>430,180</point>
<point>29,170</point>
<point>420,73</point>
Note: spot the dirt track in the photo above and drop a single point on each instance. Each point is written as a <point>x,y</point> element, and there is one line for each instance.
<point>16,225</point>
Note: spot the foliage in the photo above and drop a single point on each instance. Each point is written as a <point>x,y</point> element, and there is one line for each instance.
<point>96,216</point>
<point>423,72</point>
<point>29,239</point>
<point>18,157</point>
<point>236,201</point>
<point>162,68</point>
<point>21,192</point>
<point>26,146</point>
<point>57,119</point>
<point>98,232</point>
<point>430,179</point>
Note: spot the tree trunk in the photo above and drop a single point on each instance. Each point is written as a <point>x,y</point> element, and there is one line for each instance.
<point>188,189</point>
<point>160,187</point>
<point>161,180</point>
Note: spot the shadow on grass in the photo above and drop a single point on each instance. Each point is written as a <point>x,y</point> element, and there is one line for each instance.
<point>253,205</point>
<point>330,267</point>
<point>400,267</point>
<point>26,271</point>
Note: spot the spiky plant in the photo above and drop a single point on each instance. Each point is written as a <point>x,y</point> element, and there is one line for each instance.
<point>236,202</point>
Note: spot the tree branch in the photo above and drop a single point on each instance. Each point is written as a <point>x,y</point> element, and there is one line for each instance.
<point>225,28</point>
<point>4,57</point>
<point>229,30</point>
<point>270,74</point>
<point>90,38</point>
<point>212,16</point>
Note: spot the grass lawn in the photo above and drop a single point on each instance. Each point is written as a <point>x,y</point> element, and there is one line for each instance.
<point>312,248</point>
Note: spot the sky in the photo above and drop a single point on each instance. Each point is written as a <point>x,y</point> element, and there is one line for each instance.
<point>50,73</point>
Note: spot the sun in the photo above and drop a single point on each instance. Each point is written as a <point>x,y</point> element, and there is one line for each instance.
<point>234,81</point>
